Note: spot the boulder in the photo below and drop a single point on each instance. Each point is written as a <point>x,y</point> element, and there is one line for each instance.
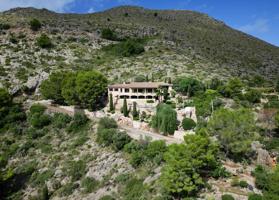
<point>34,82</point>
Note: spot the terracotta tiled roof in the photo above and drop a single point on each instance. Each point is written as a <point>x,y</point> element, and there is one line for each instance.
<point>140,85</point>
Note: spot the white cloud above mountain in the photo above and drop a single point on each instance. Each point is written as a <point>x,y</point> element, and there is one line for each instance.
<point>258,26</point>
<point>54,5</point>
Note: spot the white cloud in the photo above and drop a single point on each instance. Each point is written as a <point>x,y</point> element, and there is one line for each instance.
<point>258,26</point>
<point>55,5</point>
<point>91,10</point>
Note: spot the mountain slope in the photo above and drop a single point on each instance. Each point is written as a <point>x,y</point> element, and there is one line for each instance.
<point>190,40</point>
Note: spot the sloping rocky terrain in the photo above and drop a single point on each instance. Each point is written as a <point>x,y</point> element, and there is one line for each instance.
<point>179,42</point>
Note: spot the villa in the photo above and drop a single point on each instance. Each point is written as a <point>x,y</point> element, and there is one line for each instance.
<point>138,90</point>
<point>145,94</point>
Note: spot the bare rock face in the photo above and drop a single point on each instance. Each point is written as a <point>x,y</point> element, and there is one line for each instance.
<point>263,157</point>
<point>35,81</point>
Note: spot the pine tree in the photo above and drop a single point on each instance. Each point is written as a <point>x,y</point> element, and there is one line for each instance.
<point>125,108</point>
<point>111,107</point>
<point>135,112</point>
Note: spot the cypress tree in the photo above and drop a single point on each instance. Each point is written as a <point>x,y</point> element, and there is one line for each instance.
<point>111,107</point>
<point>125,108</point>
<point>135,112</point>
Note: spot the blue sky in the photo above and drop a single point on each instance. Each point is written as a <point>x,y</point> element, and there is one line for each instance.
<point>259,18</point>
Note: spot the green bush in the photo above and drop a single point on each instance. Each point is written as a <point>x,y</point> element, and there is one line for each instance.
<point>253,96</point>
<point>35,24</point>
<point>243,184</point>
<point>44,41</point>
<point>89,184</point>
<point>75,169</point>
<point>125,48</point>
<point>188,86</point>
<point>107,197</point>
<point>255,197</point>
<point>227,197</point>
<point>78,123</point>
<point>39,121</point>
<point>67,189</point>
<point>37,108</point>
<point>134,189</point>
<point>188,124</point>
<point>109,34</point>
<point>60,120</point>
<point>107,123</point>
<point>39,179</point>
<point>5,26</point>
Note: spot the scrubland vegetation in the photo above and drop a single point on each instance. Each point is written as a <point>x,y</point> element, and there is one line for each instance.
<point>46,155</point>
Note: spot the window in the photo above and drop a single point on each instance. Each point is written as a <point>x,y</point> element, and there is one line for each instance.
<point>110,89</point>
<point>115,89</point>
<point>126,90</point>
<point>135,91</point>
<point>149,90</point>
<point>140,90</point>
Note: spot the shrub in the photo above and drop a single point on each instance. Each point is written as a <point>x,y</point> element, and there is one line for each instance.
<point>75,169</point>
<point>120,139</point>
<point>67,189</point>
<point>220,172</point>
<point>39,179</point>
<point>188,124</point>
<point>37,109</point>
<point>39,121</point>
<point>227,197</point>
<point>60,120</point>
<point>107,123</point>
<point>5,98</point>
<point>243,184</point>
<point>149,101</point>
<point>109,34</point>
<point>35,24</point>
<point>5,26</point>
<point>253,96</point>
<point>255,197</point>
<point>107,197</point>
<point>44,41</point>
<point>89,184</point>
<point>78,124</point>
<point>134,189</point>
<point>125,48</point>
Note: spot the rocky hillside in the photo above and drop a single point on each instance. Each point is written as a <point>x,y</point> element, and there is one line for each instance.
<point>179,42</point>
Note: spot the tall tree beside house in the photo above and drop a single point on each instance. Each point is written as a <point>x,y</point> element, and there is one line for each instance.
<point>165,94</point>
<point>91,89</point>
<point>111,107</point>
<point>135,113</point>
<point>165,119</point>
<point>125,108</point>
<point>52,87</point>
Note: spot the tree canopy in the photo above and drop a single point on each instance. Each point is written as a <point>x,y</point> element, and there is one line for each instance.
<point>187,85</point>
<point>186,164</point>
<point>165,119</point>
<point>235,130</point>
<point>85,88</point>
